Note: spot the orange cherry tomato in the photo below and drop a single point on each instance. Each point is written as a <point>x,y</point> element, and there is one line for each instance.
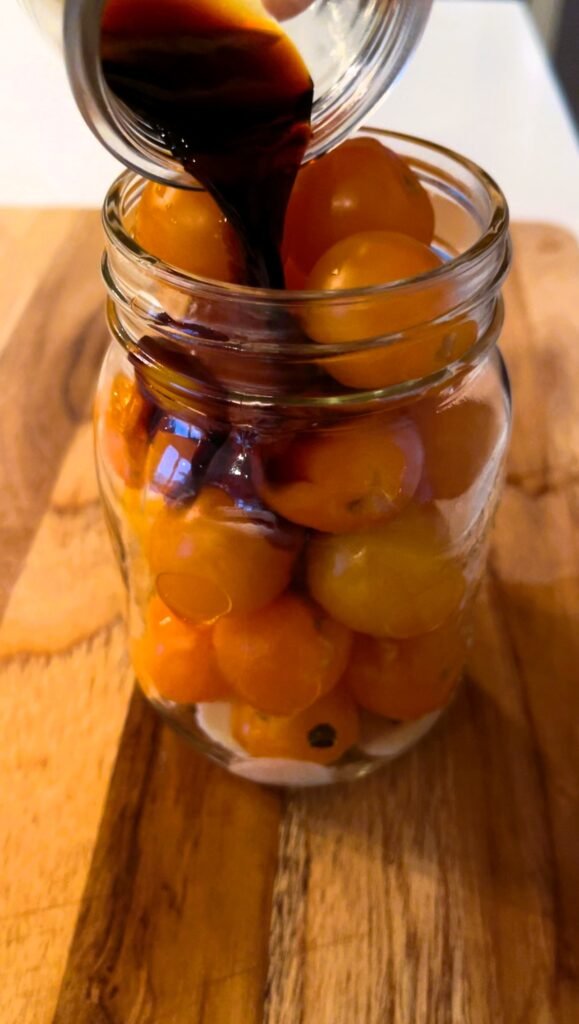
<point>459,441</point>
<point>186,229</point>
<point>422,352</point>
<point>380,258</point>
<point>398,579</point>
<point>405,679</point>
<point>283,658</point>
<point>359,186</point>
<point>322,733</point>
<point>345,479</point>
<point>123,429</point>
<point>211,557</point>
<point>175,659</point>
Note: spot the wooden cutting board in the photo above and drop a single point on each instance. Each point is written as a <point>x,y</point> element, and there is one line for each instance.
<point>140,884</point>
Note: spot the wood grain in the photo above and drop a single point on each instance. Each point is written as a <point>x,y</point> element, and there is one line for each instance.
<point>64,678</point>
<point>141,884</point>
<point>49,357</point>
<point>177,903</point>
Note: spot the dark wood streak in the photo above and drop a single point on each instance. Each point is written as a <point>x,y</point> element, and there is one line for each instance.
<point>178,896</point>
<point>48,367</point>
<point>289,906</point>
<point>87,987</point>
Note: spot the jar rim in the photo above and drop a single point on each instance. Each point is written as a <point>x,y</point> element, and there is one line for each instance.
<point>493,234</point>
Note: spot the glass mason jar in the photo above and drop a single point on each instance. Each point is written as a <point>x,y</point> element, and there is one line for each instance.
<point>300,485</point>
<point>353,49</point>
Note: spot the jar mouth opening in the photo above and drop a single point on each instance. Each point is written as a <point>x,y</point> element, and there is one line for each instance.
<point>124,192</point>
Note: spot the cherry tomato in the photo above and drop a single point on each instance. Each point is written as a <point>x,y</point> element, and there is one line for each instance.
<point>186,229</point>
<point>284,9</point>
<point>397,580</point>
<point>370,258</point>
<point>322,733</point>
<point>345,480</point>
<point>458,443</point>
<point>123,429</point>
<point>378,258</point>
<point>211,557</point>
<point>175,659</point>
<point>406,679</point>
<point>359,186</point>
<point>283,658</point>
<point>422,352</point>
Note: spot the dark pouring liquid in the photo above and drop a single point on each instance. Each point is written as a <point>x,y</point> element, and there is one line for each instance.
<point>227,93</point>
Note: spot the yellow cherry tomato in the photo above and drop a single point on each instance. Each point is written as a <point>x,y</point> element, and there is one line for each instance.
<point>382,258</point>
<point>398,579</point>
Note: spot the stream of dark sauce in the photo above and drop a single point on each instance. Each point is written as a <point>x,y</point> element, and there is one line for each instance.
<point>227,93</point>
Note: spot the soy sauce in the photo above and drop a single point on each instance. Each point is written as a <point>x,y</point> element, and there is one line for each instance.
<point>221,86</point>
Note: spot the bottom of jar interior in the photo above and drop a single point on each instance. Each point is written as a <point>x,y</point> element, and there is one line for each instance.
<point>207,727</point>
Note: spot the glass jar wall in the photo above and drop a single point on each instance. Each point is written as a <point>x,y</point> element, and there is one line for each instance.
<point>299,488</point>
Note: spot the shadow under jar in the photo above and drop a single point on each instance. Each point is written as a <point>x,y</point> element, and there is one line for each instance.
<point>299,487</point>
